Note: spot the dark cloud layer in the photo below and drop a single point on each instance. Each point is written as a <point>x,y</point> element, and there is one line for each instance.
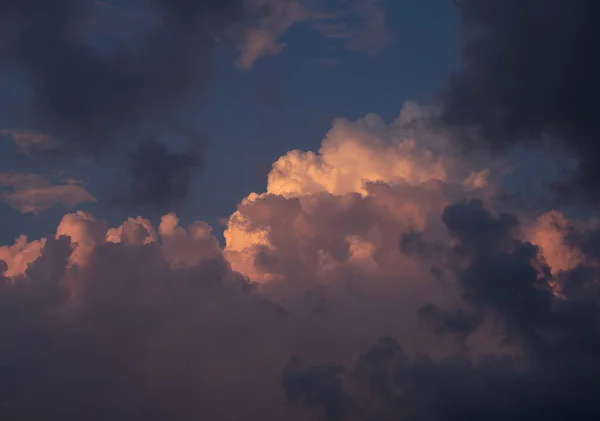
<point>529,68</point>
<point>127,337</point>
<point>164,329</point>
<point>554,373</point>
<point>91,92</point>
<point>84,93</point>
<point>159,176</point>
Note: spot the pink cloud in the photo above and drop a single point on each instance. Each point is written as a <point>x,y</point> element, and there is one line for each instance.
<point>31,193</point>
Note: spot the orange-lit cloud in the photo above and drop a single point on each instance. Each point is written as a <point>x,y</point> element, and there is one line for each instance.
<point>360,24</point>
<point>20,255</point>
<point>345,245</point>
<point>348,204</point>
<point>31,193</point>
<point>275,17</point>
<point>550,234</point>
<point>29,142</point>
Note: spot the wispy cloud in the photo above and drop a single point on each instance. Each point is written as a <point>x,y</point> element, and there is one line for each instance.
<point>32,193</point>
<point>361,25</point>
<point>30,142</point>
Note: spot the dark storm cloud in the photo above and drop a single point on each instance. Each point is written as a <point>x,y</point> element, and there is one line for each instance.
<point>554,373</point>
<point>91,93</point>
<point>159,176</point>
<point>127,338</point>
<point>530,67</point>
<point>85,94</point>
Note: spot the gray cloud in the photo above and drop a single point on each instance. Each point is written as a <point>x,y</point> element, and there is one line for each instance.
<point>32,193</point>
<point>553,371</point>
<point>528,71</point>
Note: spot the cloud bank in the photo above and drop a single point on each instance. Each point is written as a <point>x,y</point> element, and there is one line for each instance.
<point>382,288</point>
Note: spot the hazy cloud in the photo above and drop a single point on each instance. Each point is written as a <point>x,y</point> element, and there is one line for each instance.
<point>529,72</point>
<point>31,193</point>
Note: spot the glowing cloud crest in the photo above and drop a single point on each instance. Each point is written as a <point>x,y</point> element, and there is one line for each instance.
<point>369,183</point>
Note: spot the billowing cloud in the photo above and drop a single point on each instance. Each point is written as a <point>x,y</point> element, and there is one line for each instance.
<point>387,287</point>
<point>31,193</point>
<point>369,183</point>
<point>20,255</point>
<point>500,280</point>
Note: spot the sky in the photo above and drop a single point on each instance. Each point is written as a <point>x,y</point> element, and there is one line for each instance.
<point>363,210</point>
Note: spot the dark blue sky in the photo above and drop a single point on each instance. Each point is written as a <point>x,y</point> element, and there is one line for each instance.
<point>286,101</point>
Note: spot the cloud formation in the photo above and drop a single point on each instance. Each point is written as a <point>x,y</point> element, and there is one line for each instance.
<point>501,278</point>
<point>30,142</point>
<point>262,37</point>
<point>392,287</point>
<point>529,73</point>
<point>362,25</point>
<point>159,176</point>
<point>31,193</point>
<point>82,94</point>
<point>369,183</point>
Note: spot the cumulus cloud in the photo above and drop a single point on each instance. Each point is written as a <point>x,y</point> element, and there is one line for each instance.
<point>500,279</point>
<point>382,288</point>
<point>369,183</point>
<point>31,193</point>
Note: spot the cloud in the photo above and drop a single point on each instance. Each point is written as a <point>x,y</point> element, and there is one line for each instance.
<point>275,17</point>
<point>82,95</point>
<point>149,317</point>
<point>362,26</point>
<point>31,193</point>
<point>529,73</point>
<point>20,255</point>
<point>392,287</point>
<point>96,75</point>
<point>158,176</point>
<point>498,275</point>
<point>369,183</point>
<point>30,142</point>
